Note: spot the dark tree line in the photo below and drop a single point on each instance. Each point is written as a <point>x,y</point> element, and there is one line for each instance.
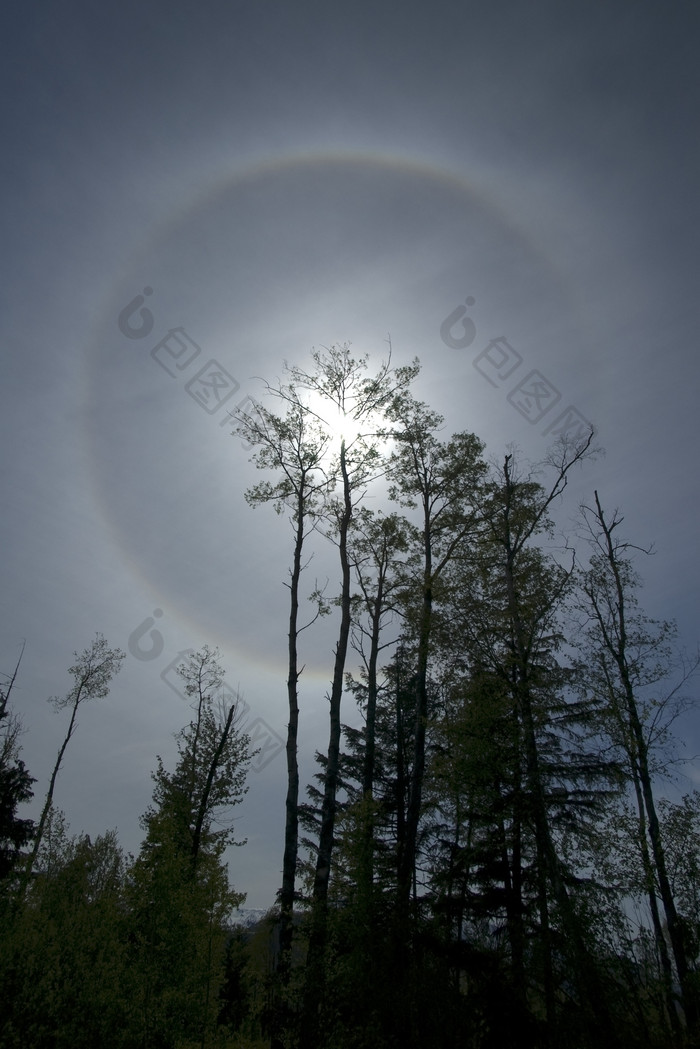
<point>98,948</point>
<point>485,859</point>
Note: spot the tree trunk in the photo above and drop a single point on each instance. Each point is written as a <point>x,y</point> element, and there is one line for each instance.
<point>315,960</point>
<point>638,753</point>
<point>39,833</point>
<point>407,858</point>
<point>211,772</point>
<point>283,960</point>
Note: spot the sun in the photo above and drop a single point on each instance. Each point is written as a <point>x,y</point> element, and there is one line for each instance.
<point>341,426</point>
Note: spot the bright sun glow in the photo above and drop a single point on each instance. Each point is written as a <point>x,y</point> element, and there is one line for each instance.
<point>338,424</point>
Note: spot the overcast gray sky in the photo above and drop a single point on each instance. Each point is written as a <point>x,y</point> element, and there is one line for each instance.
<point>282,176</point>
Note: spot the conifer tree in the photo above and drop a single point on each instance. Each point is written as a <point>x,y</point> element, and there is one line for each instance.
<point>15,782</point>
<point>441,482</point>
<point>179,894</point>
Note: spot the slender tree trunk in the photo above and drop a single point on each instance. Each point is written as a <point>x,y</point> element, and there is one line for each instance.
<point>211,772</point>
<point>39,834</point>
<point>407,859</point>
<point>640,758</point>
<point>513,887</point>
<point>7,689</point>
<point>661,945</point>
<point>550,872</point>
<point>549,866</point>
<point>291,828</point>
<point>675,931</point>
<point>366,878</point>
<point>401,779</point>
<point>283,960</point>
<point>328,808</point>
<point>315,962</point>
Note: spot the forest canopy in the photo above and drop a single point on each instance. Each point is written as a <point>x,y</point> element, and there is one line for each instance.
<point>489,857</point>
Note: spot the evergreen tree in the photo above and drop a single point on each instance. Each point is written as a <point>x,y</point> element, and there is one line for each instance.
<point>64,975</point>
<point>442,483</point>
<point>527,745</point>
<point>179,893</point>
<point>15,783</point>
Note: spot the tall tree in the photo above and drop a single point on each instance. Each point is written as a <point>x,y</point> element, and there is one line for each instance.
<point>352,405</point>
<point>628,659</point>
<point>517,510</point>
<point>192,804</point>
<point>441,481</point>
<point>378,546</point>
<point>545,778</point>
<point>295,446</point>
<point>179,892</point>
<point>92,674</point>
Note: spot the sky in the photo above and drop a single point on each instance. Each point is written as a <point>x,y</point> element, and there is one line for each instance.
<point>193,194</point>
